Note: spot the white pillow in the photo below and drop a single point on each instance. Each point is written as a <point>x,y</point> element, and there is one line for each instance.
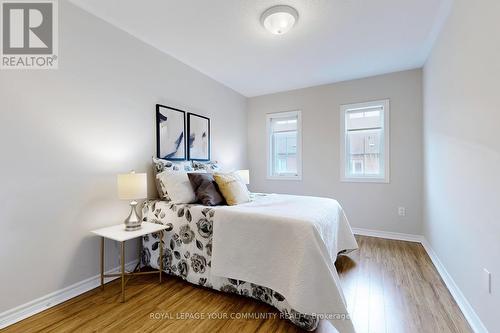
<point>178,187</point>
<point>160,166</point>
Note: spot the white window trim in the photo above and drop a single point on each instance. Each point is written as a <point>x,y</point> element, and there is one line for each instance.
<point>343,148</point>
<point>270,176</point>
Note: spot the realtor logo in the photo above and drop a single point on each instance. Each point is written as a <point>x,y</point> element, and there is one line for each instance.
<point>29,34</point>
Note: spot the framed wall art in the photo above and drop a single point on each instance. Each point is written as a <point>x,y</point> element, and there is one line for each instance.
<point>170,133</point>
<point>198,137</point>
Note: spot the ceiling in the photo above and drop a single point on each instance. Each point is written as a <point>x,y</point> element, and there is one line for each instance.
<point>334,40</point>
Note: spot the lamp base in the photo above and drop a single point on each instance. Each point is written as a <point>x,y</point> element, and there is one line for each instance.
<point>132,222</point>
<point>129,228</point>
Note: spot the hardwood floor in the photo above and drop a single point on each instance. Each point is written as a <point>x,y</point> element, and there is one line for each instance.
<point>390,286</point>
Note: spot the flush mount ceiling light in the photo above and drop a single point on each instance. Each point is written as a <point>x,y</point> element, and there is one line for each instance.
<point>280,19</point>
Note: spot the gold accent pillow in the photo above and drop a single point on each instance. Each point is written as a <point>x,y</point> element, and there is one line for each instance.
<point>232,188</point>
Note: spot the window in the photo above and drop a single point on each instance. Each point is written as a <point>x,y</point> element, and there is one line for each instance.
<point>365,142</point>
<point>284,145</point>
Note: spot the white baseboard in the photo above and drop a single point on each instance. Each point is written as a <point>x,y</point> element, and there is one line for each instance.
<point>464,305</point>
<point>388,235</point>
<point>26,310</point>
<point>469,313</point>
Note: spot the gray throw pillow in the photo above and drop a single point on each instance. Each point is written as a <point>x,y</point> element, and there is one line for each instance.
<point>206,189</point>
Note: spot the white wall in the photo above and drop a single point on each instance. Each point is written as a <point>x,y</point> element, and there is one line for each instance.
<point>462,152</point>
<point>368,205</point>
<point>66,133</point>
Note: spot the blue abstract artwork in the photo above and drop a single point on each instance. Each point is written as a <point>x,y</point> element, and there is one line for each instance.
<point>199,137</point>
<point>170,132</point>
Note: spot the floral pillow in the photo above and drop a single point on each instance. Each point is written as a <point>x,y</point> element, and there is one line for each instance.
<point>160,165</point>
<point>210,167</point>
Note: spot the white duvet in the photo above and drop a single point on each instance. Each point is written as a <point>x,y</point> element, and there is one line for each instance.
<point>289,244</point>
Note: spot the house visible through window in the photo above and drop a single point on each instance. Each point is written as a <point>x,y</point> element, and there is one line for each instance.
<point>365,141</point>
<point>284,148</point>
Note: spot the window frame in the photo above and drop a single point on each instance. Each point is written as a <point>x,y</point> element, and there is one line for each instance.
<point>269,150</point>
<point>344,168</point>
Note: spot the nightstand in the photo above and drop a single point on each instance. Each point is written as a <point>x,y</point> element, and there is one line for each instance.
<point>118,234</point>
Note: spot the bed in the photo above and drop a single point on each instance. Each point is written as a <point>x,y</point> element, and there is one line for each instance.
<point>279,249</point>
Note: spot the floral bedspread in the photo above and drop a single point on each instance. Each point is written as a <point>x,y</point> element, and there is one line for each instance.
<point>188,254</point>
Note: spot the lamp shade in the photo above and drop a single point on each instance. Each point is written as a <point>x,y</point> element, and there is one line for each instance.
<point>132,186</point>
<point>244,175</point>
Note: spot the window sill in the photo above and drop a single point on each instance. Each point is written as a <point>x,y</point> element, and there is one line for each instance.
<point>365,180</point>
<point>298,178</point>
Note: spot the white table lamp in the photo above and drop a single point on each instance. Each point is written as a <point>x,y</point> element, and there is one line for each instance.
<point>132,186</point>
<point>244,175</point>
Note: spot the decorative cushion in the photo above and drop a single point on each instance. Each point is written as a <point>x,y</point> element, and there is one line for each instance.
<point>179,187</point>
<point>210,167</point>
<point>160,165</point>
<point>206,189</point>
<point>232,188</point>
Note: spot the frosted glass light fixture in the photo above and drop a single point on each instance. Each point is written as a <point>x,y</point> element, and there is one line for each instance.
<point>280,19</point>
